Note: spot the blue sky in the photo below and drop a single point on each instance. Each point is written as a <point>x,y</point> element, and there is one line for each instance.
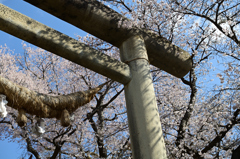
<point>39,15</point>
<point>10,150</point>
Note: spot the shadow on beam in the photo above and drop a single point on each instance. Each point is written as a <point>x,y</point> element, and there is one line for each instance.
<point>101,21</point>
<point>62,45</point>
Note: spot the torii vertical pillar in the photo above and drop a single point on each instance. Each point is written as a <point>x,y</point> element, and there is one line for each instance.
<point>146,135</point>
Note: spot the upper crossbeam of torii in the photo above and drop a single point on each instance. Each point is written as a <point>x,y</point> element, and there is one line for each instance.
<point>101,21</point>
<point>137,46</point>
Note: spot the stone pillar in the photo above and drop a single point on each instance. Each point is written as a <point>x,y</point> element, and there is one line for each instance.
<point>146,135</point>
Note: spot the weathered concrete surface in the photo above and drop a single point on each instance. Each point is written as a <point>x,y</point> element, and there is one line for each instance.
<point>146,135</point>
<point>102,22</point>
<point>60,44</point>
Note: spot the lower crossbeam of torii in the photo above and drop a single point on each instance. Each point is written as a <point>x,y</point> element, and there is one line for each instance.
<point>137,48</point>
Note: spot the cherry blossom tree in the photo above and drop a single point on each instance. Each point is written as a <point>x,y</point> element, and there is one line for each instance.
<point>209,30</point>
<point>200,117</point>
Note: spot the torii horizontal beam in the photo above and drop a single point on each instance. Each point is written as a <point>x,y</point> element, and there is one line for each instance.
<point>60,44</point>
<point>101,21</point>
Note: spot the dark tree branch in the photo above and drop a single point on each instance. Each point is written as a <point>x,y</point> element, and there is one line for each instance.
<point>188,11</point>
<point>236,153</point>
<point>31,149</point>
<point>57,150</point>
<point>185,120</point>
<point>222,134</point>
<point>96,109</point>
<point>185,82</point>
<point>101,149</point>
<point>222,52</point>
<point>124,147</point>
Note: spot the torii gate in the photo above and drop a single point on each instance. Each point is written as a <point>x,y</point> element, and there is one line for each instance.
<point>137,48</point>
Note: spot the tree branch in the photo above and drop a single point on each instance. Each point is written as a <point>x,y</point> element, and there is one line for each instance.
<point>101,148</point>
<point>236,153</point>
<point>56,151</point>
<point>31,149</point>
<point>90,115</point>
<point>187,115</point>
<point>222,134</point>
